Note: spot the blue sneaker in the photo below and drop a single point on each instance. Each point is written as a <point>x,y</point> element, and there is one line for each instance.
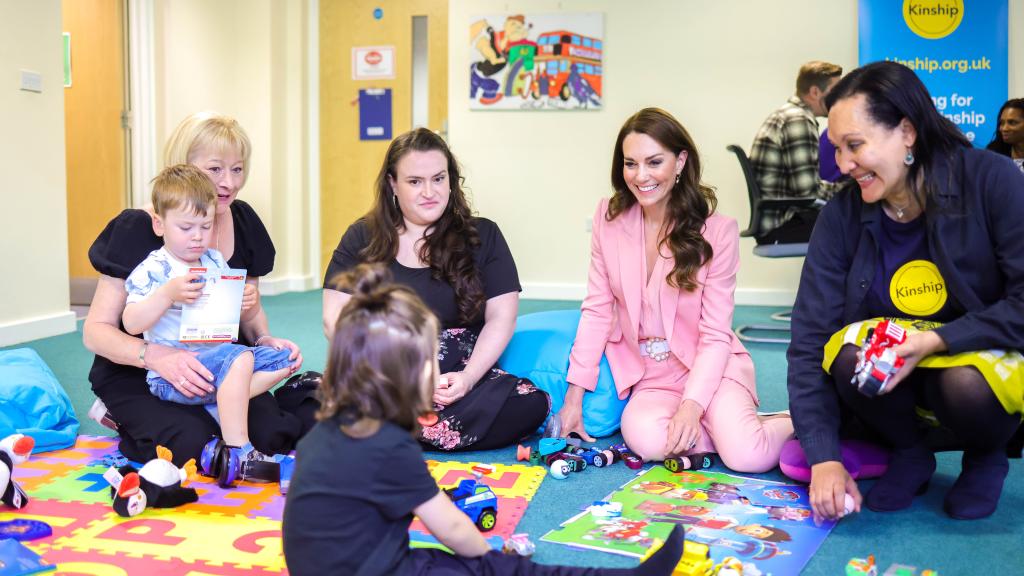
<point>287,467</point>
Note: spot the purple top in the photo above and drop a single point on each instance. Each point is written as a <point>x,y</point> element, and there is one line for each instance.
<point>827,167</point>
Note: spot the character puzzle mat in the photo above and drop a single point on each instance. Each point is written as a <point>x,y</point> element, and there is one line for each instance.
<point>227,532</point>
<point>767,525</point>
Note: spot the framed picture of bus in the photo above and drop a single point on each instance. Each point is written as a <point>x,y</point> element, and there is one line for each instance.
<point>536,61</point>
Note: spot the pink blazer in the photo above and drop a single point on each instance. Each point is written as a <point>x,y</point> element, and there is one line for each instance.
<point>698,324</point>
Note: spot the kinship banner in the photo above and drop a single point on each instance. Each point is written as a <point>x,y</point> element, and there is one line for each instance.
<point>957,47</point>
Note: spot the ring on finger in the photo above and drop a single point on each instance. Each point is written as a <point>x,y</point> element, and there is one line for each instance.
<point>182,382</point>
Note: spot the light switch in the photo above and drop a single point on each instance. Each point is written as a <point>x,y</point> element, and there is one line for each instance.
<point>31,81</point>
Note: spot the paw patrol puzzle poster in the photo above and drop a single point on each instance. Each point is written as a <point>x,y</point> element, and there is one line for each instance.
<point>768,526</point>
<point>536,61</point>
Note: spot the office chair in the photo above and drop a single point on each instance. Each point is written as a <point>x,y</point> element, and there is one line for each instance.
<point>758,204</point>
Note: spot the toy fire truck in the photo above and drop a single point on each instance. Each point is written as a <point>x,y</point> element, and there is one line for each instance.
<point>877,361</point>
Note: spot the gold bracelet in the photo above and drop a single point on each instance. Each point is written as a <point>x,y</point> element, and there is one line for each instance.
<point>142,354</point>
<point>260,339</point>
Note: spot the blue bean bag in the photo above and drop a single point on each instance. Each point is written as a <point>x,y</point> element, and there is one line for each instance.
<point>539,350</point>
<point>32,402</point>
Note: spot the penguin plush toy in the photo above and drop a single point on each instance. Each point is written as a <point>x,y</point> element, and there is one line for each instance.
<point>158,484</point>
<point>14,450</point>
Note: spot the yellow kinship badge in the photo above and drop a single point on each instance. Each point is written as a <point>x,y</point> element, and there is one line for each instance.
<point>918,289</point>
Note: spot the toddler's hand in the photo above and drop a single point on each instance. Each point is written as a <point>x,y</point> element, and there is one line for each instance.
<point>184,289</point>
<point>250,296</point>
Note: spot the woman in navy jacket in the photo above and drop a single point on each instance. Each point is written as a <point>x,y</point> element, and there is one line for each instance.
<point>926,233</point>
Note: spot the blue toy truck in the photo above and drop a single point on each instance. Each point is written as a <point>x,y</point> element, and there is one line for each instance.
<point>476,499</point>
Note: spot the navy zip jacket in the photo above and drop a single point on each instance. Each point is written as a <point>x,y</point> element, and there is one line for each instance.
<point>975,228</point>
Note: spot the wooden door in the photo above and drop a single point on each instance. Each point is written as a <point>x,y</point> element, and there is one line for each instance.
<point>95,142</point>
<point>348,166</point>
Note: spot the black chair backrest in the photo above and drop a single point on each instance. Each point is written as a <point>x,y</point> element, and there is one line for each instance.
<point>753,192</point>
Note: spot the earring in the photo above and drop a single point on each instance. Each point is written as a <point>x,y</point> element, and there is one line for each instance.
<point>394,200</point>
<point>677,177</point>
<point>909,158</point>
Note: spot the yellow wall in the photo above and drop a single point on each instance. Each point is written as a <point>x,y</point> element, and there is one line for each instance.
<point>349,165</point>
<point>33,221</point>
<point>540,175</point>
<point>247,59</point>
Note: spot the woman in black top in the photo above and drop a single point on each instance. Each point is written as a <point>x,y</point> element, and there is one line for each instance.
<point>220,147</point>
<point>421,227</point>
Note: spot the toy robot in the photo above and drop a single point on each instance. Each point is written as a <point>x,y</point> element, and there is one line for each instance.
<point>877,361</point>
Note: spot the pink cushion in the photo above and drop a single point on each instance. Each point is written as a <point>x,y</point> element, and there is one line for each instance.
<point>861,459</point>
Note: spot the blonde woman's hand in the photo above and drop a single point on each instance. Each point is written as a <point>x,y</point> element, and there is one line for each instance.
<point>281,344</point>
<point>181,368</point>
<point>250,296</point>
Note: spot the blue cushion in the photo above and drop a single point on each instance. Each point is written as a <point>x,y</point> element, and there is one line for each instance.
<point>33,403</point>
<point>539,350</point>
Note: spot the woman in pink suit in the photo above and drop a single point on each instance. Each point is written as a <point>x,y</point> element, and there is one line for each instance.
<point>659,304</point>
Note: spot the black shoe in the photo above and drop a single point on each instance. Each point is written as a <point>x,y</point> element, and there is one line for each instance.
<point>259,467</point>
<point>909,471</point>
<point>975,493</point>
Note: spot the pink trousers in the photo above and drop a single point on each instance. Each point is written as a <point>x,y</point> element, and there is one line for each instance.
<point>730,425</point>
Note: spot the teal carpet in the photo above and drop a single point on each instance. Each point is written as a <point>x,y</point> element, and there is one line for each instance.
<point>922,536</point>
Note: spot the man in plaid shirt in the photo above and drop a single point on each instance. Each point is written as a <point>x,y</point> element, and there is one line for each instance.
<point>785,155</point>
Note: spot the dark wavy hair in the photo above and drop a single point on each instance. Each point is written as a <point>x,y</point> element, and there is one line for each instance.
<point>894,92</point>
<point>690,202</point>
<point>998,144</point>
<point>448,244</point>
<point>384,337</point>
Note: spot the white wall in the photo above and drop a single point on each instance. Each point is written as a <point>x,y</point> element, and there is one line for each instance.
<point>33,221</point>
<point>246,59</point>
<point>540,175</point>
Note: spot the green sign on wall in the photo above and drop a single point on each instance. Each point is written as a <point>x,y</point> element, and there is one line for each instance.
<point>67,59</point>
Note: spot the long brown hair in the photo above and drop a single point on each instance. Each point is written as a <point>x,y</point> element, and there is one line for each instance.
<point>690,202</point>
<point>383,338</point>
<point>448,244</point>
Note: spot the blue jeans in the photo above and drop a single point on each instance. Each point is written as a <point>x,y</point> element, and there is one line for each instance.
<point>218,360</point>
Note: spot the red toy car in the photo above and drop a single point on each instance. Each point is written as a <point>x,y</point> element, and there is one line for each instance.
<point>877,361</point>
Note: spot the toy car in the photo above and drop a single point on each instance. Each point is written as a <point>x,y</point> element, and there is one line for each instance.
<point>691,462</point>
<point>562,463</point>
<point>862,567</point>
<point>594,457</point>
<point>877,361</point>
<point>904,570</point>
<point>476,499</point>
<point>633,462</point>
<point>520,545</point>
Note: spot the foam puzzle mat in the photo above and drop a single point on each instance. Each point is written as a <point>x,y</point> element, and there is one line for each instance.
<point>228,531</point>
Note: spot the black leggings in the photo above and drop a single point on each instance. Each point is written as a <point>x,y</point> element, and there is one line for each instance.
<point>438,562</point>
<point>960,397</point>
<point>145,421</point>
